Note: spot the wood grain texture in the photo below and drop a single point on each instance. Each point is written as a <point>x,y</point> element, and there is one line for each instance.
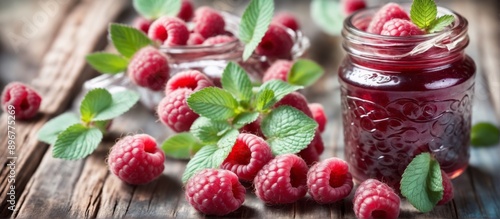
<point>62,72</point>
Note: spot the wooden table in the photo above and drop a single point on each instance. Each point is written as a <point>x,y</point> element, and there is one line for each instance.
<point>53,61</point>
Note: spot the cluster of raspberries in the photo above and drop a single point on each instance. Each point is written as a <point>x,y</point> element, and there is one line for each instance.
<point>149,67</point>
<point>393,20</point>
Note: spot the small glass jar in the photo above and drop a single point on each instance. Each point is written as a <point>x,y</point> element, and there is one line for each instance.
<point>402,96</point>
<point>209,59</point>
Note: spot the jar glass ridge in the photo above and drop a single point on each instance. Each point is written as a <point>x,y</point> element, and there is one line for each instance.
<point>402,96</point>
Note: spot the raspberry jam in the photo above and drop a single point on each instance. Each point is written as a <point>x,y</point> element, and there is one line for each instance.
<point>402,96</point>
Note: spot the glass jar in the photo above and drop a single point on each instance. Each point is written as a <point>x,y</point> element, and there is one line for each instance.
<point>208,59</point>
<point>402,96</point>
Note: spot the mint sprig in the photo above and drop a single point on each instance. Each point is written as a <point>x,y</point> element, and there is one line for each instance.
<point>181,146</point>
<point>127,40</point>
<point>254,24</point>
<point>421,183</point>
<point>153,9</point>
<point>75,137</point>
<point>423,13</point>
<point>224,111</point>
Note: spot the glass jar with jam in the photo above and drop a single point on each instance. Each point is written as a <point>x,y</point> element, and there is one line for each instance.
<point>402,96</point>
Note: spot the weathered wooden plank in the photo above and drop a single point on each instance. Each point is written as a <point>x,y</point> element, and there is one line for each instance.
<point>32,26</point>
<point>61,75</point>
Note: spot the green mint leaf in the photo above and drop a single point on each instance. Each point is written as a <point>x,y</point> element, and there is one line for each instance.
<point>423,13</point>
<point>279,88</point>
<point>101,125</point>
<point>236,81</point>
<point>327,15</point>
<point>265,99</point>
<point>440,23</point>
<point>76,142</point>
<point>254,24</point>
<point>98,104</point>
<point>228,139</point>
<point>421,182</point>
<point>288,130</point>
<point>95,101</point>
<point>128,40</point>
<point>209,131</point>
<point>181,146</point>
<point>121,102</point>
<point>107,63</point>
<point>49,132</point>
<point>484,134</point>
<point>213,103</point>
<point>304,72</point>
<point>209,156</point>
<point>153,9</point>
<point>245,118</point>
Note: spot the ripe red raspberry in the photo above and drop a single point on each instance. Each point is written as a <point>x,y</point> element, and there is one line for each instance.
<point>141,23</point>
<point>170,31</point>
<point>276,43</point>
<point>21,98</point>
<point>318,113</point>
<point>220,39</point>
<point>248,155</point>
<point>136,159</point>
<point>195,39</point>
<point>253,128</point>
<point>174,111</point>
<point>296,100</point>
<point>313,151</point>
<point>190,79</point>
<point>149,68</point>
<point>187,10</point>
<point>283,180</point>
<point>351,6</point>
<point>448,189</point>
<point>374,199</point>
<point>215,192</point>
<point>286,19</point>
<point>386,13</point>
<point>329,181</point>
<point>400,27</point>
<point>278,70</point>
<point>208,22</point>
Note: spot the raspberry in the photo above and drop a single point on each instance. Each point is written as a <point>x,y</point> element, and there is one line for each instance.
<point>400,27</point>
<point>23,99</point>
<point>136,159</point>
<point>195,39</point>
<point>149,68</point>
<point>276,43</point>
<point>170,31</point>
<point>296,100</point>
<point>374,199</point>
<point>278,70</point>
<point>351,6</point>
<point>318,113</point>
<point>286,19</point>
<point>190,79</point>
<point>313,151</point>
<point>283,180</point>
<point>448,189</point>
<point>187,10</point>
<point>174,111</point>
<point>141,23</point>
<point>215,192</point>
<point>329,181</point>
<point>220,39</point>
<point>208,22</point>
<point>386,13</point>
<point>248,155</point>
<point>253,128</point>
